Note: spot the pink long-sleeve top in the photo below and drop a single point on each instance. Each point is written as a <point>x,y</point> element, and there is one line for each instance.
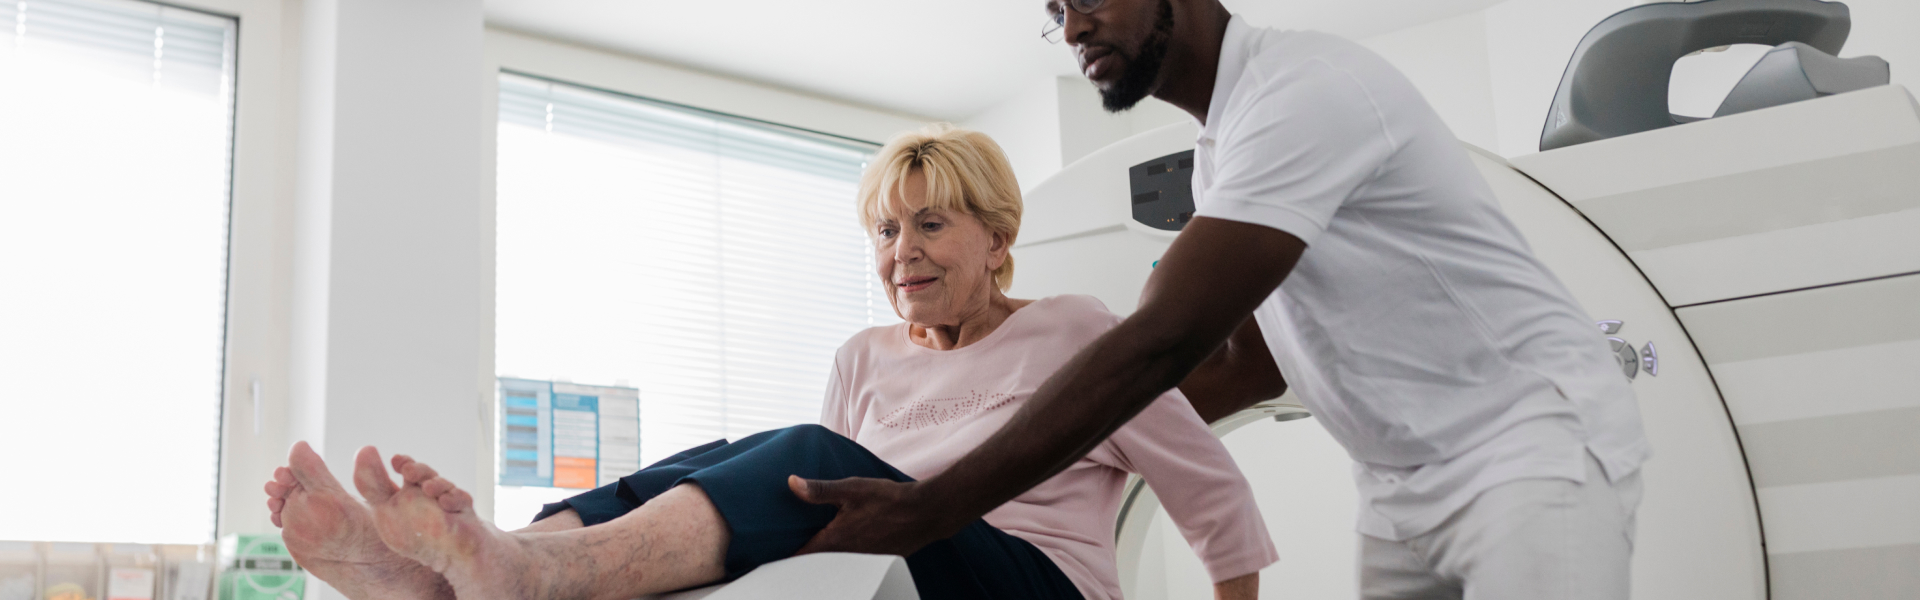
<point>921,409</point>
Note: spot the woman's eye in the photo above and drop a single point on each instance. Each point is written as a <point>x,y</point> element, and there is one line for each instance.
<point>930,226</point>
<point>886,232</point>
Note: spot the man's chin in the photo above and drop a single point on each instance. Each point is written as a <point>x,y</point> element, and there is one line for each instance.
<point>1116,98</point>
<point>1139,77</point>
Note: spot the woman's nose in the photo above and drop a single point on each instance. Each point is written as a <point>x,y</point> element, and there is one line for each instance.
<point>906,253</point>
<point>906,249</point>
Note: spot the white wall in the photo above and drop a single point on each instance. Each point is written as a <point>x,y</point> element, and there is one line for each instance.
<point>1086,127</point>
<point>354,279</point>
<point>1027,127</point>
<point>388,246</point>
<point>1448,61</point>
<point>1056,120</point>
<point>592,67</point>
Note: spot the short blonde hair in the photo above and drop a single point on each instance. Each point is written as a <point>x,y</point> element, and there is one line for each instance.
<point>965,172</point>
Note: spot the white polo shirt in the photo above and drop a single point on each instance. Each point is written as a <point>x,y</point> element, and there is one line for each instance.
<point>1418,327</point>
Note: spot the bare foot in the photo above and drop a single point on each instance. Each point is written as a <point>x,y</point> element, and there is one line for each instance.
<point>429,520</point>
<point>331,534</point>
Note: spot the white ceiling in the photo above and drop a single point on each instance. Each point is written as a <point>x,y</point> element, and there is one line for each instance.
<point>946,59</point>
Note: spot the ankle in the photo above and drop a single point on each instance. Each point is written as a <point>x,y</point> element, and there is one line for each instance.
<point>549,567</point>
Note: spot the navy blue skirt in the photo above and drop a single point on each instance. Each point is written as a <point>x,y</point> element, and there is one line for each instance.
<point>747,481</point>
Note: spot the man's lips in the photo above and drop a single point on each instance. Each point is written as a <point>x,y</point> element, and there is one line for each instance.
<point>915,284</point>
<point>1098,62</point>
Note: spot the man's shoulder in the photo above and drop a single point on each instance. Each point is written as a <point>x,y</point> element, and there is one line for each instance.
<point>1293,73</point>
<point>1306,64</point>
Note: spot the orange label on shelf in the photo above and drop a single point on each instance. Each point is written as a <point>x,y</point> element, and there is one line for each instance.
<point>576,473</point>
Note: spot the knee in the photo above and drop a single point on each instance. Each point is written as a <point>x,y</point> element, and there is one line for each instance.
<point>815,452</point>
<point>814,440</point>
<point>813,434</point>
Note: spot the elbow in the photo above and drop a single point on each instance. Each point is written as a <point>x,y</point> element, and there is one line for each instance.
<point>1173,351</point>
<point>1177,335</point>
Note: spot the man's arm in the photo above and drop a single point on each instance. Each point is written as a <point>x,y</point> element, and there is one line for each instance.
<point>1210,280</point>
<point>1238,375</point>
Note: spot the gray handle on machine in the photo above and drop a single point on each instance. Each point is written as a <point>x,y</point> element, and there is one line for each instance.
<point>1616,82</point>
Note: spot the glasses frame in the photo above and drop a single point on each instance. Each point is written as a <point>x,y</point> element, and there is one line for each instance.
<point>1057,16</point>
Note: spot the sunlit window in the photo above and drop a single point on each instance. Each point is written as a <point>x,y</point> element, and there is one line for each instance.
<point>114,165</point>
<point>710,262</point>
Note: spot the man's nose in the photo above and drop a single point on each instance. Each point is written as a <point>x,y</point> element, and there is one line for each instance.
<point>1077,26</point>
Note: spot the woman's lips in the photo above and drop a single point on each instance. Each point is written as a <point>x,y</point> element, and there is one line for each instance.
<point>915,284</point>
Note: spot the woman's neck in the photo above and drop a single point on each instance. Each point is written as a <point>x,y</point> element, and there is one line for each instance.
<point>969,328</point>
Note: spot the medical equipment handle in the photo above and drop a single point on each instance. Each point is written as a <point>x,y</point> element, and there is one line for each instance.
<point>1616,82</point>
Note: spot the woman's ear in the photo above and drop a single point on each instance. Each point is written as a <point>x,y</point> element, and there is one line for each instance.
<point>997,251</point>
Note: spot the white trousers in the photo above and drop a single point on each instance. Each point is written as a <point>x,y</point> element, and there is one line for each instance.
<point>1533,539</point>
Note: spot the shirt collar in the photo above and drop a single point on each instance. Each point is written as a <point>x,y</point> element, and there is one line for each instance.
<point>1234,48</point>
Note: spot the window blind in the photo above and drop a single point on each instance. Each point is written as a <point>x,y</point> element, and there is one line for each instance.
<point>713,262</point>
<point>179,48</point>
<point>115,155</point>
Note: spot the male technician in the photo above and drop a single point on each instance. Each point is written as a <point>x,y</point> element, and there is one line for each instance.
<point>1496,444</point>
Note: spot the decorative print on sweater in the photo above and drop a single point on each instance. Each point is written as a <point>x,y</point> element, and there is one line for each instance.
<point>930,412</point>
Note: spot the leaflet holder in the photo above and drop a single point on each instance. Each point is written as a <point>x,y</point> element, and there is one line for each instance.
<point>1616,82</point>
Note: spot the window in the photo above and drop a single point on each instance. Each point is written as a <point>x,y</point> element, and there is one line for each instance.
<point>712,262</point>
<point>115,143</point>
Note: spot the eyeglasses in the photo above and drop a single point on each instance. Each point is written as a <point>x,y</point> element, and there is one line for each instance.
<point>1057,16</point>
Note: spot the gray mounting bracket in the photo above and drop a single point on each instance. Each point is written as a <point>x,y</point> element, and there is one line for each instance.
<point>1616,82</point>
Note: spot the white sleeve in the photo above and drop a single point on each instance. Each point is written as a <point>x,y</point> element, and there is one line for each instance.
<point>1294,149</point>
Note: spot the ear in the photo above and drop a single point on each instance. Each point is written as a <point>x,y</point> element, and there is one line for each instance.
<point>997,251</point>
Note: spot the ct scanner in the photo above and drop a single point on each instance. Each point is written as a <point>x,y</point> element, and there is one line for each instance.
<point>1759,276</point>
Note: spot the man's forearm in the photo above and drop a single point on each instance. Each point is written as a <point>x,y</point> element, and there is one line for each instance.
<point>1244,587</point>
<point>1095,394</point>
<point>1239,374</point>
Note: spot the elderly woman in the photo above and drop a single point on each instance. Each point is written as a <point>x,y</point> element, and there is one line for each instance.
<point>903,401</point>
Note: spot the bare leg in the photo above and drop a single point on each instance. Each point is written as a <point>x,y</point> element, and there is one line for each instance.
<point>331,534</point>
<point>676,540</point>
<point>560,521</point>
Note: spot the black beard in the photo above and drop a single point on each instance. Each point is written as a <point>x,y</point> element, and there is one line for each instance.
<point>1142,76</point>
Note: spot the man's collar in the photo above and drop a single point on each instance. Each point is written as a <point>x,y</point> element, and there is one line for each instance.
<point>1233,60</point>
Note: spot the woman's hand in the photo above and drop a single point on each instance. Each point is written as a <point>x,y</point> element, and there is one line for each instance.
<point>1244,587</point>
<point>877,516</point>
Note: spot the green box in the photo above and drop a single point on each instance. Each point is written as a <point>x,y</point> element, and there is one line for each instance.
<point>258,567</point>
